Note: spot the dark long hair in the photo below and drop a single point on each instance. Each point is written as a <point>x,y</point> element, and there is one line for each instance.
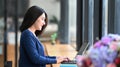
<point>31,16</point>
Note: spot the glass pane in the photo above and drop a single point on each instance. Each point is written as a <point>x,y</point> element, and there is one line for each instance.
<point>72,22</point>
<point>1,33</point>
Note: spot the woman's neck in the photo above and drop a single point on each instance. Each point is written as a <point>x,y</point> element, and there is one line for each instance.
<point>32,30</point>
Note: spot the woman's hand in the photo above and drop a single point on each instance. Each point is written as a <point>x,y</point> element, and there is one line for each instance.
<point>61,59</point>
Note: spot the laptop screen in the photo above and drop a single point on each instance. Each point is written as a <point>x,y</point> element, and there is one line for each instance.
<point>83,49</point>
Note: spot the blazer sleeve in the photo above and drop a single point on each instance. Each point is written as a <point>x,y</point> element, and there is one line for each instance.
<point>30,48</point>
<point>52,57</point>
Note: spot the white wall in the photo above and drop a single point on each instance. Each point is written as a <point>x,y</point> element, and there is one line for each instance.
<point>52,7</point>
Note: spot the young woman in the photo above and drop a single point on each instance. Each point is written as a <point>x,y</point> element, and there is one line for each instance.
<point>31,49</point>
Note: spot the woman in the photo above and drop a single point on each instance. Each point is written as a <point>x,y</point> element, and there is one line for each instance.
<point>31,50</point>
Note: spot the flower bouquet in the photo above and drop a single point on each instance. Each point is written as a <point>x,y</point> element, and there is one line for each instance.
<point>104,53</point>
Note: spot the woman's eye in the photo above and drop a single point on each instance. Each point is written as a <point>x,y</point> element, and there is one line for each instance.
<point>43,19</point>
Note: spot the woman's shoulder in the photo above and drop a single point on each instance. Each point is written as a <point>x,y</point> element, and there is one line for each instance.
<point>26,33</point>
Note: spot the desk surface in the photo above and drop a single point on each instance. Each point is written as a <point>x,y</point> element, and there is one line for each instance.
<point>61,50</point>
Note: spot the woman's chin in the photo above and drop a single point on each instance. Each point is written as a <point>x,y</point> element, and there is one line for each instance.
<point>40,28</point>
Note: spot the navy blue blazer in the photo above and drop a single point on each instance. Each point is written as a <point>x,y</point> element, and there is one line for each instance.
<point>32,52</point>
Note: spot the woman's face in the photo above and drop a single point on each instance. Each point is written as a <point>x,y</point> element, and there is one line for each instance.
<point>40,22</point>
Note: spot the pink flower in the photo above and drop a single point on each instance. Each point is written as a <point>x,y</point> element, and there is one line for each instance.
<point>98,44</point>
<point>106,40</point>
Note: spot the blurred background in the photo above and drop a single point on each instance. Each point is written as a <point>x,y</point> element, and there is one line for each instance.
<point>71,22</point>
<point>11,17</point>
